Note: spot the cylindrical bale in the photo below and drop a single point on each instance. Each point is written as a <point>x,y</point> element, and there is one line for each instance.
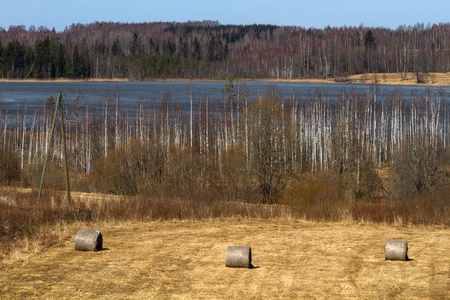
<point>396,250</point>
<point>88,240</point>
<point>239,257</point>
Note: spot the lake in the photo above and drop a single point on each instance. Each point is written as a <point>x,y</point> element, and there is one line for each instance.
<point>16,94</point>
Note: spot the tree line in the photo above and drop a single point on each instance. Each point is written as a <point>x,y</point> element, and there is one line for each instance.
<point>209,50</point>
<point>240,148</point>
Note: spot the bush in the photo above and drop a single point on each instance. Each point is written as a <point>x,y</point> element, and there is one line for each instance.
<point>112,175</point>
<point>315,197</point>
<point>54,176</point>
<point>426,207</point>
<point>417,166</point>
<point>9,167</point>
<point>370,183</point>
<point>136,169</point>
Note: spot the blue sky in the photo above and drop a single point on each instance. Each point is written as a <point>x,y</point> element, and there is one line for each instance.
<point>315,13</point>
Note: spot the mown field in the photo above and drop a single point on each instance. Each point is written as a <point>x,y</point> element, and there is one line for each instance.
<point>186,259</point>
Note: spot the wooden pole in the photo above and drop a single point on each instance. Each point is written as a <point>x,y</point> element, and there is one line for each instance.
<point>63,135</point>
<point>44,170</point>
<point>58,106</point>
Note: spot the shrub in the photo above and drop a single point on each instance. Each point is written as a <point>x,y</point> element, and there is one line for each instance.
<point>9,167</point>
<point>54,176</point>
<point>317,197</point>
<point>426,207</point>
<point>370,183</point>
<point>417,166</point>
<point>112,175</point>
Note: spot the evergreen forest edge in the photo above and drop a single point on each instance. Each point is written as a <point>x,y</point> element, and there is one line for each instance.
<point>209,50</point>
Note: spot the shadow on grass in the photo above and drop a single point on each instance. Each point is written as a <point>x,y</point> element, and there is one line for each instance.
<point>254,267</point>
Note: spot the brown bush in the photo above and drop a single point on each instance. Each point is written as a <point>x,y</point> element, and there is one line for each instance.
<point>268,167</point>
<point>9,167</point>
<point>236,183</point>
<point>112,176</point>
<point>54,177</point>
<point>370,184</point>
<point>315,197</point>
<point>417,166</point>
<point>23,216</point>
<point>426,207</point>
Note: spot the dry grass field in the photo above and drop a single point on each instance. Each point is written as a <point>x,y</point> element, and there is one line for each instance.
<point>432,79</point>
<point>186,259</point>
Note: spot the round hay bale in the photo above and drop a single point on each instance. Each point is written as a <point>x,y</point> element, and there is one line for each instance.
<point>396,250</point>
<point>88,240</point>
<point>239,257</point>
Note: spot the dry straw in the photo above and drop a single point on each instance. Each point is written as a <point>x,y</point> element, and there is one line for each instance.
<point>396,250</point>
<point>239,257</point>
<point>88,240</point>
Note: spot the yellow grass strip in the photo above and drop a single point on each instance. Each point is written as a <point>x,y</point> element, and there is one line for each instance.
<point>433,79</point>
<point>186,259</point>
<point>67,80</point>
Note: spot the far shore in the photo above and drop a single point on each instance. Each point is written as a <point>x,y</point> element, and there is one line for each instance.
<point>431,79</point>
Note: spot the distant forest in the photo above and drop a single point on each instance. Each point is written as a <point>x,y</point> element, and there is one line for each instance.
<point>209,50</point>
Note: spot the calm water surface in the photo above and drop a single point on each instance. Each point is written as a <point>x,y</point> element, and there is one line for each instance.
<point>14,95</point>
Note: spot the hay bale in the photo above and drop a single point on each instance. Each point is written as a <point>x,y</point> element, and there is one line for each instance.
<point>396,250</point>
<point>239,257</point>
<point>88,240</point>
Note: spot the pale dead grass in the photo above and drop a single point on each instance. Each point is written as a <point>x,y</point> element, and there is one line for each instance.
<point>66,80</point>
<point>186,259</point>
<point>77,197</point>
<point>433,79</point>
